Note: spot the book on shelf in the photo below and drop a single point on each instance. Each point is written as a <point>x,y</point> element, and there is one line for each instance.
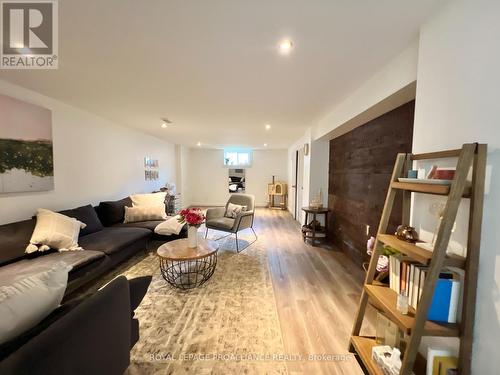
<point>445,365</point>
<point>441,361</point>
<point>444,305</point>
<point>398,277</point>
<point>408,277</point>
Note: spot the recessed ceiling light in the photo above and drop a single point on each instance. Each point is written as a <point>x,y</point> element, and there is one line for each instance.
<point>265,144</point>
<point>164,125</point>
<point>268,126</point>
<point>198,144</point>
<point>285,46</point>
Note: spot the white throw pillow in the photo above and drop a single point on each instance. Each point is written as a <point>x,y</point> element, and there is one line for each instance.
<point>233,210</point>
<point>54,231</point>
<point>153,199</point>
<point>27,302</point>
<point>144,213</point>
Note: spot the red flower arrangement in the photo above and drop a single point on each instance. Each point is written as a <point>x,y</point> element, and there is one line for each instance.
<point>192,216</point>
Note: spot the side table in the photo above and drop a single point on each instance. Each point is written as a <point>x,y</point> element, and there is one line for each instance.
<point>313,230</point>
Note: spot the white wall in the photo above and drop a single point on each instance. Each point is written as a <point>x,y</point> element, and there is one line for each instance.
<point>457,101</point>
<point>320,157</point>
<point>94,160</point>
<point>183,160</point>
<point>398,73</point>
<point>315,172</point>
<point>208,177</point>
<point>362,105</point>
<point>266,163</point>
<point>306,177</point>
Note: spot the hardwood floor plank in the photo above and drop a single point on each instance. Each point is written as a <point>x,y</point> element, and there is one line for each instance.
<point>317,292</point>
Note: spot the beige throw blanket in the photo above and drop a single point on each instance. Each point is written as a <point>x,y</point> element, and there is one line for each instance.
<point>169,226</point>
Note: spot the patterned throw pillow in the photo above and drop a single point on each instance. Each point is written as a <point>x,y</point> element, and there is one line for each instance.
<point>54,231</point>
<point>24,303</point>
<point>233,210</point>
<point>144,213</point>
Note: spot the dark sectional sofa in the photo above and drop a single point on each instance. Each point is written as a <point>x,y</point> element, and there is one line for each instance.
<point>93,335</point>
<point>106,241</point>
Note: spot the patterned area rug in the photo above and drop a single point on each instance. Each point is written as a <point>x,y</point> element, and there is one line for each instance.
<point>227,326</point>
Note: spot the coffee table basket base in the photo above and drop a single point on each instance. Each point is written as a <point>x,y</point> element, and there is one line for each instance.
<point>188,274</point>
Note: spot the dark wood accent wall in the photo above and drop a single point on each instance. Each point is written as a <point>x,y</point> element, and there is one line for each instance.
<point>361,164</point>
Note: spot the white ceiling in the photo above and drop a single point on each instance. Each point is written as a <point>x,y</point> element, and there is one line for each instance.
<point>212,67</point>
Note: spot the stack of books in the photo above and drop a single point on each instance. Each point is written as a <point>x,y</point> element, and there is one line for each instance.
<point>408,278</point>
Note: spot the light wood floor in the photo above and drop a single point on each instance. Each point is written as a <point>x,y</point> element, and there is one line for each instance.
<point>317,291</point>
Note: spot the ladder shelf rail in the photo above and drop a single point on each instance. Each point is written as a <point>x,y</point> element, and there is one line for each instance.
<point>470,155</point>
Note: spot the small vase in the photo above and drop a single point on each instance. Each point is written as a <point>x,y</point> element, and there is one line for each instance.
<point>192,236</point>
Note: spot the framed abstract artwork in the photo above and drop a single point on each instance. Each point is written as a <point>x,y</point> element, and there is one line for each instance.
<point>26,157</point>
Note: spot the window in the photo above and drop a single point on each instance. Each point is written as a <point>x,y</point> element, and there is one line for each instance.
<point>237,158</point>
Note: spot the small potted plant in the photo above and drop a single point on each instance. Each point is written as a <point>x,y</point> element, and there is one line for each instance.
<point>193,217</point>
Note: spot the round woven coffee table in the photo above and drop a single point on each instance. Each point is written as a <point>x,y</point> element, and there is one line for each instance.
<point>187,268</point>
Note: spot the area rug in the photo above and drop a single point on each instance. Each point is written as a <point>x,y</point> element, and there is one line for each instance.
<point>227,326</point>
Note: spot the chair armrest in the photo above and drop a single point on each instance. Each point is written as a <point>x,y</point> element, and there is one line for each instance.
<point>243,220</point>
<point>214,213</point>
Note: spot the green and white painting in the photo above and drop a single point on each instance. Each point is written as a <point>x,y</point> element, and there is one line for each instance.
<point>26,159</point>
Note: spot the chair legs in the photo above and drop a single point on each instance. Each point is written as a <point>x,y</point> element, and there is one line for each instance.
<point>251,243</point>
<point>236,235</point>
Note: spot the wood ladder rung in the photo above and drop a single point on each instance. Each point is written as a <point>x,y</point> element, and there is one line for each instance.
<point>415,323</point>
<point>419,254</point>
<point>435,189</point>
<point>385,298</point>
<point>363,346</point>
<point>437,155</point>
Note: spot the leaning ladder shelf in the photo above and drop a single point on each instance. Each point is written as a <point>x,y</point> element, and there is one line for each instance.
<point>415,324</point>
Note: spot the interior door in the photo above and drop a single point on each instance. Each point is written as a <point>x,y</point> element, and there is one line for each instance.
<point>293,192</point>
<point>300,185</point>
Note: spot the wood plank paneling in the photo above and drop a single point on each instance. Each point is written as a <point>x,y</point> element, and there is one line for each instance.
<point>361,164</point>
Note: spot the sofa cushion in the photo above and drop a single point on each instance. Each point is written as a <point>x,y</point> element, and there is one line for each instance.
<point>112,212</point>
<point>19,270</point>
<point>151,224</point>
<point>85,214</point>
<point>112,240</point>
<point>14,238</point>
<point>221,222</point>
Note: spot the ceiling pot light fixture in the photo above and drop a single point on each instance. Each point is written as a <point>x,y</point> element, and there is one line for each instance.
<point>268,126</point>
<point>265,144</point>
<point>285,46</point>
<point>198,144</point>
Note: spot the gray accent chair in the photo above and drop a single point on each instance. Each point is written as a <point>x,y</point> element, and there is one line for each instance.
<point>217,221</point>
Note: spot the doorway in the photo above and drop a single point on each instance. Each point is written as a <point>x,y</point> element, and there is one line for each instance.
<point>298,183</point>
